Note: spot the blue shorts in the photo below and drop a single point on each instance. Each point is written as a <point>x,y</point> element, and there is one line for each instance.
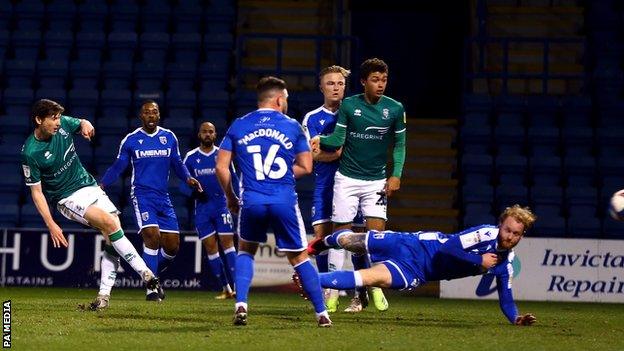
<point>155,212</point>
<point>219,220</point>
<point>322,208</point>
<point>401,253</point>
<point>285,219</point>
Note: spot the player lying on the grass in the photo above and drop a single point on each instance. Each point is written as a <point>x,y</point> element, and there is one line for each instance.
<point>406,260</point>
<point>54,173</point>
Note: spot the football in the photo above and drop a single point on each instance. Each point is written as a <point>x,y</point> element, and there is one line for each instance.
<point>616,208</point>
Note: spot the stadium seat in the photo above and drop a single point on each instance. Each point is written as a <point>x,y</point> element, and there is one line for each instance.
<point>181,76</point>
<point>580,171</point>
<point>89,46</point>
<point>58,45</point>
<point>478,194</point>
<point>511,103</point>
<point>187,15</point>
<point>29,217</point>
<point>546,195</point>
<point>9,215</point>
<point>213,103</point>
<point>543,110</point>
<point>475,139</point>
<point>106,148</point>
<point>612,229</point>
<point>510,194</point>
<point>5,39</point>
<point>545,170</point>
<point>481,103</point>
<point>218,42</point>
<point>11,180</point>
<point>216,67</point>
<point>578,141</point>
<point>19,73</point>
<point>29,14</point>
<point>476,220</point>
<point>58,95</point>
<point>510,140</point>
<point>6,11</point>
<point>60,15</point>
<point>149,75</point>
<point>53,74</point>
<point>84,149</point>
<point>92,15</point>
<point>476,169</point>
<point>186,47</point>
<point>122,46</point>
<point>154,47</point>
<point>17,124</point>
<point>512,170</point>
<point>609,142</point>
<point>477,209</point>
<point>117,74</point>
<point>140,96</point>
<point>84,74</point>
<point>549,226</point>
<point>543,141</point>
<point>576,111</point>
<point>83,103</point>
<point>155,17</point>
<point>26,44</point>
<point>11,146</point>
<point>18,102</point>
<point>124,16</point>
<point>181,103</point>
<point>584,226</point>
<point>476,119</point>
<point>115,105</point>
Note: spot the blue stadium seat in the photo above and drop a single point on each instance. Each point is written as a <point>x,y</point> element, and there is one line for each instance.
<point>543,110</point>
<point>181,103</point>
<point>507,195</point>
<point>92,15</point>
<point>546,195</point>
<point>11,147</point>
<point>60,15</point>
<point>11,180</point>
<point>586,226</point>
<point>89,46</point>
<point>612,229</point>
<point>84,74</point>
<point>58,95</point>
<point>29,14</point>
<point>577,111</point>
<point>475,139</point>
<point>115,106</point>
<point>478,194</point>
<point>155,16</point>
<point>543,140</point>
<point>149,75</point>
<point>128,217</point>
<point>83,103</point>
<point>106,148</point>
<point>216,24</point>
<point>181,76</point>
<point>510,140</point>
<point>549,226</point>
<point>20,73</point>
<point>477,103</point>
<point>58,45</point>
<point>117,74</point>
<point>512,170</point>
<point>476,169</point>
<point>221,8</point>
<point>124,16</point>
<point>4,42</point>
<point>26,44</point>
<point>580,171</point>
<point>84,149</point>
<point>578,141</point>
<point>545,170</point>
<point>216,66</point>
<point>9,215</point>
<point>18,102</point>
<point>476,220</point>
<point>213,103</point>
<point>216,42</point>
<point>476,119</point>
<point>477,209</point>
<point>511,103</point>
<point>187,15</point>
<point>29,217</point>
<point>17,124</point>
<point>213,85</point>
<point>140,96</point>
<point>547,210</point>
<point>6,11</point>
<point>53,74</point>
<point>122,46</point>
<point>609,142</point>
<point>182,126</point>
<point>154,47</point>
<point>186,47</point>
<point>611,115</point>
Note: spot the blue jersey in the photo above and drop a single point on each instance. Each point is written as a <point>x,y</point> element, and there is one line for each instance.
<point>151,156</point>
<point>265,143</point>
<point>202,165</point>
<point>431,256</point>
<point>322,122</point>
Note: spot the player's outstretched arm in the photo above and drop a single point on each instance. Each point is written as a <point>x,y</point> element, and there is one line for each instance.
<point>58,239</point>
<point>86,129</point>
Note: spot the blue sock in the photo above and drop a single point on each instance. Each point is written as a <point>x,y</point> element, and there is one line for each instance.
<point>150,256</point>
<point>341,280</point>
<point>311,285</point>
<point>321,262</point>
<point>230,265</point>
<point>244,275</point>
<point>332,240</point>
<point>360,262</point>
<point>164,260</point>
<point>216,267</point>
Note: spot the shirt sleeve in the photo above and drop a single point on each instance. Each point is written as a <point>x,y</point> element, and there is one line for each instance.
<point>458,246</point>
<point>337,138</point>
<point>398,154</point>
<point>301,144</point>
<point>309,127</point>
<point>32,174</point>
<point>121,162</point>
<point>226,143</point>
<point>73,124</point>
<point>184,188</point>
<point>504,272</point>
<point>176,161</point>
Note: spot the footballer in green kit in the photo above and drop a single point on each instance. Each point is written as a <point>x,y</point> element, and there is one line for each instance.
<point>368,125</point>
<point>53,173</point>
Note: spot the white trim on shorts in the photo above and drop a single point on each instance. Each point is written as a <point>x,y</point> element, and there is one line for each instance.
<point>321,221</point>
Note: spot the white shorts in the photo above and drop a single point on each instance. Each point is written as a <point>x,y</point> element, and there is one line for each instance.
<point>350,193</point>
<point>75,205</point>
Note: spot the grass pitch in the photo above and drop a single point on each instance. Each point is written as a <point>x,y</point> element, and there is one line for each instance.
<point>48,318</point>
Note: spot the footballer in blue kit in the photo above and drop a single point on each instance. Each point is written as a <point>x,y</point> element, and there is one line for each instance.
<point>406,260</point>
<point>212,218</point>
<point>152,151</point>
<point>270,151</point>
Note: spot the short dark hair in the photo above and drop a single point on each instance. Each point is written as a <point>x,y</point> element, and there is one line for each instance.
<point>44,108</point>
<point>148,101</point>
<point>372,65</point>
<point>267,85</point>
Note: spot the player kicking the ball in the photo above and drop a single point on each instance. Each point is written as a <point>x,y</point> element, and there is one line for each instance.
<point>406,260</point>
<point>53,172</point>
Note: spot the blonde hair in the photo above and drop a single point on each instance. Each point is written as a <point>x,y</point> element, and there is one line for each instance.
<point>521,214</point>
<point>334,69</point>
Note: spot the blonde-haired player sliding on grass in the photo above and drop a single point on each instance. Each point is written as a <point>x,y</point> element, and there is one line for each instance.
<point>406,260</point>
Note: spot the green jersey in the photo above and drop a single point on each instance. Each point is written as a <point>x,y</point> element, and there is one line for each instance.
<point>367,131</point>
<point>54,162</point>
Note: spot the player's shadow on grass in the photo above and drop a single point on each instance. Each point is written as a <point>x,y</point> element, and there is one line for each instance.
<point>156,318</point>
